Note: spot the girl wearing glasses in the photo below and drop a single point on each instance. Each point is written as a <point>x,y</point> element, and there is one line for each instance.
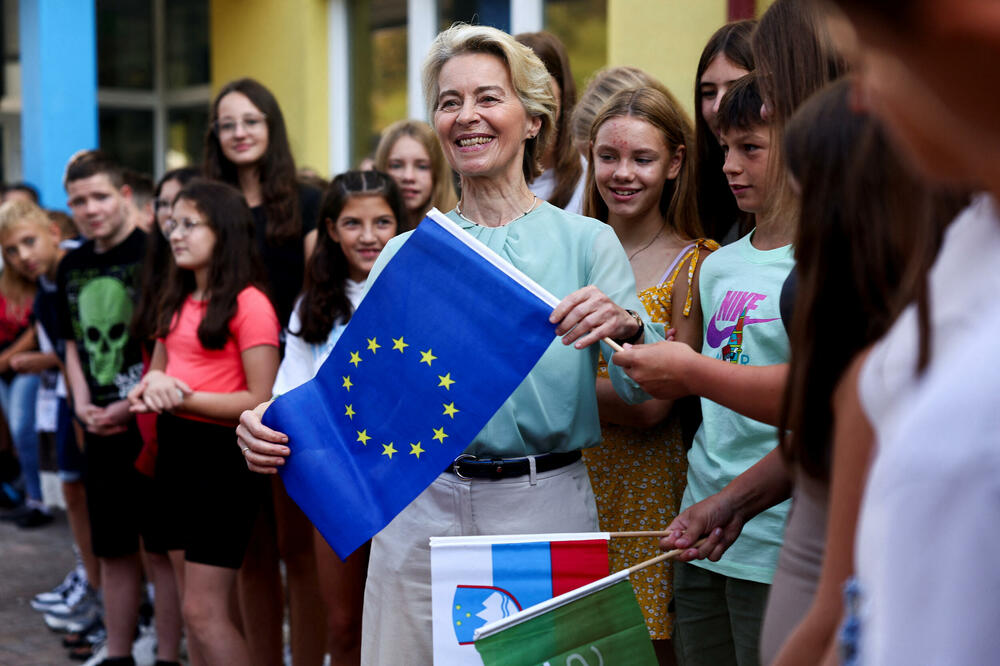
<point>216,354</point>
<point>247,147</point>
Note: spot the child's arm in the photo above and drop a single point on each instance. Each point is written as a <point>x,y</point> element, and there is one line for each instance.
<point>260,364</point>
<point>721,516</point>
<point>687,329</point>
<point>78,388</point>
<point>24,342</point>
<point>97,420</point>
<point>34,361</point>
<point>671,370</point>
<point>157,391</point>
<point>309,244</point>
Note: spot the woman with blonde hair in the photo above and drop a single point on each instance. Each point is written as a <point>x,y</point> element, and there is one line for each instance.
<point>492,106</point>
<point>410,153</point>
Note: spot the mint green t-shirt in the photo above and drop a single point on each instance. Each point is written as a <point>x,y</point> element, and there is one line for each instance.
<point>740,288</point>
<point>555,407</point>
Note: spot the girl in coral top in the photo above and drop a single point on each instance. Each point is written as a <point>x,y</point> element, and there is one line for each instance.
<point>216,355</point>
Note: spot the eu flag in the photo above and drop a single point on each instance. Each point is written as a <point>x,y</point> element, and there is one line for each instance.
<point>444,335</point>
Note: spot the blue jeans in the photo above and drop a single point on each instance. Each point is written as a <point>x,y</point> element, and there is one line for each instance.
<point>17,399</point>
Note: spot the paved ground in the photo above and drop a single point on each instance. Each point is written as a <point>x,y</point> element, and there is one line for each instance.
<point>31,561</point>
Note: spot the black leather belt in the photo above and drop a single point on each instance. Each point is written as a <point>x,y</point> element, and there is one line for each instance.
<point>469,467</point>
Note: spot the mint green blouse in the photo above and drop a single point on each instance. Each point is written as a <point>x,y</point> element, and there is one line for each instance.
<point>555,407</point>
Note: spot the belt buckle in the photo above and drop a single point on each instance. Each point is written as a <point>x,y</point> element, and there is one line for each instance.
<point>460,458</point>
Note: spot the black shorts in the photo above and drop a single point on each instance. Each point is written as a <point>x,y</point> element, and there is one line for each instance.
<point>214,497</point>
<point>120,500</point>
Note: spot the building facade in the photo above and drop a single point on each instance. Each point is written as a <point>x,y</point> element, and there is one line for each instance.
<point>136,77</point>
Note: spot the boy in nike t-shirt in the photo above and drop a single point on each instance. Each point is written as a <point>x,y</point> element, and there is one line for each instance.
<point>720,605</point>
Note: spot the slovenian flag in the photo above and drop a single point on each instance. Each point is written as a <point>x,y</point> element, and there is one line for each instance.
<point>480,579</point>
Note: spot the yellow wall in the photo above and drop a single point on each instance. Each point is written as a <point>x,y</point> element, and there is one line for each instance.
<point>282,44</point>
<point>665,37</point>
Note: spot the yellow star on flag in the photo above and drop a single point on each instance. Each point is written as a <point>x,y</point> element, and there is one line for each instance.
<point>450,409</point>
<point>415,450</point>
<point>427,357</point>
<point>363,436</point>
<point>350,412</point>
<point>439,435</point>
<point>372,345</point>
<point>388,450</point>
<point>399,345</point>
<point>355,358</point>
<point>446,381</point>
<point>347,382</point>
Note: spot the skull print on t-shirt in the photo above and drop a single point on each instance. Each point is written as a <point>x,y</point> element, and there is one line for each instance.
<point>98,298</point>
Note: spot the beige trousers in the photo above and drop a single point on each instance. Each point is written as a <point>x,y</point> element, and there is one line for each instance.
<point>396,627</point>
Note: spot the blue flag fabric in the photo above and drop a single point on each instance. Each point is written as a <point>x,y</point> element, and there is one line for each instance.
<point>444,335</point>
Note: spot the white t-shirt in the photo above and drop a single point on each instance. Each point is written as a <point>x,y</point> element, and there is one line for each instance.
<point>303,359</point>
<point>964,280</point>
<point>927,544</point>
<point>542,188</point>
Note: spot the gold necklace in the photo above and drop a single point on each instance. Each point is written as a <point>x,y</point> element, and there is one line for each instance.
<point>458,209</point>
<point>646,246</point>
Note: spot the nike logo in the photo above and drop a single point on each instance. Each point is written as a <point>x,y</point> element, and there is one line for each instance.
<point>716,336</point>
<point>734,305</point>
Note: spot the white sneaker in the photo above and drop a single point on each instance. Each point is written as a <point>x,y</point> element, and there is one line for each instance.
<point>144,647</point>
<point>100,654</point>
<point>73,623</point>
<point>43,601</point>
<point>79,597</point>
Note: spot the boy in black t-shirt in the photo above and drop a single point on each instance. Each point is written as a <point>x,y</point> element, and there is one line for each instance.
<point>97,285</point>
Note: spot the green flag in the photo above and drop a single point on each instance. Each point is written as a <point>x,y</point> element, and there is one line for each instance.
<point>599,623</point>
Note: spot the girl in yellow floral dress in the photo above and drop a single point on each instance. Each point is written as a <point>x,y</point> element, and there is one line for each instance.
<point>641,182</point>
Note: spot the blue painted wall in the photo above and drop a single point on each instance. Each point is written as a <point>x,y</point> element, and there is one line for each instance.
<point>58,90</point>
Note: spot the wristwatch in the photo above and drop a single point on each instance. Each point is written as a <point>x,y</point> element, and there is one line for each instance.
<point>638,334</point>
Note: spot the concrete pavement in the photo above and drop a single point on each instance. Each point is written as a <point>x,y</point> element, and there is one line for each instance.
<point>31,560</point>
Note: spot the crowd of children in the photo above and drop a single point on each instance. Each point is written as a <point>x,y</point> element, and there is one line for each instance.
<point>812,244</point>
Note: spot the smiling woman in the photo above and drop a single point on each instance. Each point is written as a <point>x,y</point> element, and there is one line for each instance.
<point>492,107</point>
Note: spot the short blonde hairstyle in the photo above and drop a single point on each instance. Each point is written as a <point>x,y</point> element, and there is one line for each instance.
<point>527,74</point>
<point>443,195</point>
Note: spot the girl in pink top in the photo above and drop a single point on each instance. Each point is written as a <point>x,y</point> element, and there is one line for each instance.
<point>216,355</point>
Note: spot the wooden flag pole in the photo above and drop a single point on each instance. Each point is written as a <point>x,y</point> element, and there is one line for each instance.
<point>653,533</point>
<point>663,557</point>
<point>611,343</point>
